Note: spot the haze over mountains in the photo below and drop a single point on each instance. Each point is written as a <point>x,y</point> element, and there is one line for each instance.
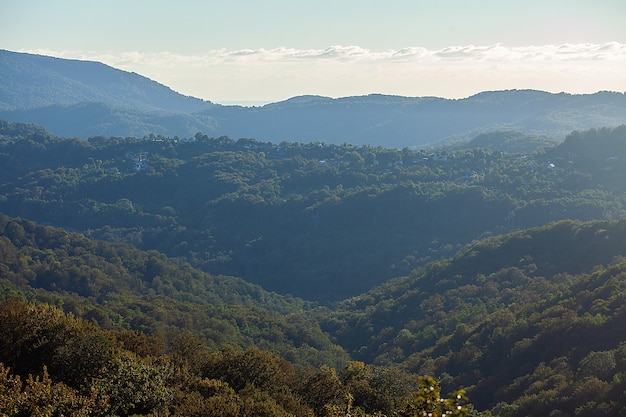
<point>83,99</point>
<point>530,322</point>
<point>162,267</point>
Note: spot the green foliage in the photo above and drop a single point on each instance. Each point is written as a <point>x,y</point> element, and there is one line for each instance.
<point>135,386</point>
<point>207,397</point>
<point>508,141</point>
<point>122,288</point>
<point>322,222</point>
<point>230,382</point>
<point>428,402</point>
<point>533,331</point>
<point>40,396</point>
<point>530,322</point>
<point>251,367</point>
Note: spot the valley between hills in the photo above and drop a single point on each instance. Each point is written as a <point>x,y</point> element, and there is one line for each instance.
<point>476,272</point>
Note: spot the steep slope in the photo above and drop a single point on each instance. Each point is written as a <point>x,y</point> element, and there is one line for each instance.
<point>120,287</point>
<point>32,81</point>
<point>518,318</point>
<point>71,367</point>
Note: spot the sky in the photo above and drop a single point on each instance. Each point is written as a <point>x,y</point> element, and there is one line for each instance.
<point>254,52</point>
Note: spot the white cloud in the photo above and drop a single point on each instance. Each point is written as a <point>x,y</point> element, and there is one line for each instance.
<point>455,71</point>
<point>496,52</point>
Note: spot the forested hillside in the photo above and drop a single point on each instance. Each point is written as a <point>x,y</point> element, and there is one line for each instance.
<point>54,364</point>
<point>531,323</point>
<point>368,256</point>
<point>318,221</point>
<point>506,141</point>
<point>95,328</point>
<point>398,122</point>
<point>75,98</point>
<point>117,286</point>
<point>36,81</point>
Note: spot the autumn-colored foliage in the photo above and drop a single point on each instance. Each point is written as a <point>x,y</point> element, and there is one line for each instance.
<point>93,374</point>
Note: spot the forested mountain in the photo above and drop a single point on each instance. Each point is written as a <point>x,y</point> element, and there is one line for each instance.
<point>54,364</point>
<point>31,81</point>
<point>531,323</point>
<point>398,122</point>
<point>322,222</point>
<point>498,288</point>
<point>82,99</point>
<point>117,286</point>
<point>508,141</point>
<point>108,330</point>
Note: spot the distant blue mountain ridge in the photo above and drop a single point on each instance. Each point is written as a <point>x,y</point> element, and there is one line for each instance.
<point>32,81</point>
<point>73,98</point>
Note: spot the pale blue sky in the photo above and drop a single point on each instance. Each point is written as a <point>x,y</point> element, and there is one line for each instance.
<point>233,51</point>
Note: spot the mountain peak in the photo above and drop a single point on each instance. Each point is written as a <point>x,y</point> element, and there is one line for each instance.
<point>31,80</point>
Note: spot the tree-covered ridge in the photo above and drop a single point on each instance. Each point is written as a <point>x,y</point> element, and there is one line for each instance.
<point>53,364</point>
<point>507,141</point>
<point>16,131</point>
<point>117,286</point>
<point>531,323</point>
<point>597,155</point>
<point>35,81</point>
<point>75,98</point>
<point>314,220</point>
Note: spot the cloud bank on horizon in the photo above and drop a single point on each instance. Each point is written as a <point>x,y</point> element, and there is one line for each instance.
<point>265,75</point>
<point>251,50</point>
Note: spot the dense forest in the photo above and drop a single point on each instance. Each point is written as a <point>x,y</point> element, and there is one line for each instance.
<point>523,335</point>
<point>375,280</point>
<point>95,328</point>
<point>75,368</point>
<point>320,222</point>
<point>529,322</point>
<point>115,285</point>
